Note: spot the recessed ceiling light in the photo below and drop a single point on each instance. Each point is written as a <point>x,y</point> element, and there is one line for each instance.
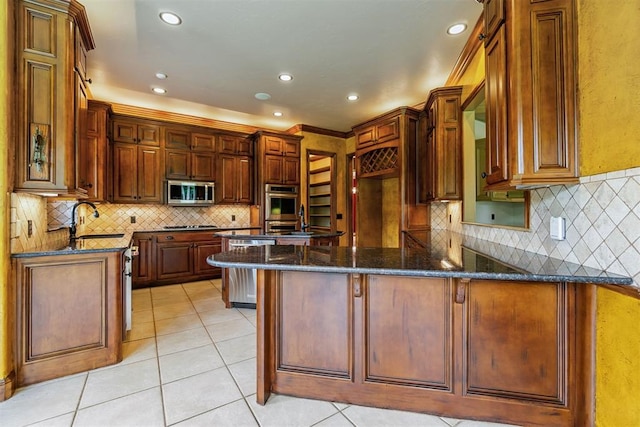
<point>159,90</point>
<point>277,113</point>
<point>456,29</point>
<point>262,96</point>
<point>161,76</point>
<point>170,18</point>
<point>285,77</point>
<point>353,97</point>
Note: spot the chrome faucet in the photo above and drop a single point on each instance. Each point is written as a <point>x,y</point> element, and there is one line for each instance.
<point>72,228</point>
<point>303,225</point>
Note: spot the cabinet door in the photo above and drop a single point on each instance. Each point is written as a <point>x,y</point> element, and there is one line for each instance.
<point>177,138</point>
<point>149,134</point>
<point>143,265</point>
<point>203,142</point>
<point>203,166</point>
<point>449,149</point>
<point>244,177</point>
<point>125,178</point>
<point>388,130</point>
<point>496,102</point>
<point>177,164</point>
<point>82,154</point>
<point>245,146</point>
<point>409,340</point>
<point>493,17</point>
<point>430,183</point>
<point>273,145</point>
<point>365,137</point>
<point>149,175</point>
<point>273,172</point>
<point>291,148</point>
<point>203,250</point>
<point>173,259</point>
<point>519,345</point>
<point>95,156</point>
<point>226,183</point>
<point>291,170</point>
<point>422,163</point>
<point>125,131</point>
<point>227,144</point>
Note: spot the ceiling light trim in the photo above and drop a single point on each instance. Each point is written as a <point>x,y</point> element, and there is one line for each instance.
<point>170,18</point>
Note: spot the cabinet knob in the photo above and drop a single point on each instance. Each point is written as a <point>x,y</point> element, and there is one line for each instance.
<point>482,36</point>
<point>168,237</point>
<point>483,175</point>
<point>88,185</point>
<point>88,81</point>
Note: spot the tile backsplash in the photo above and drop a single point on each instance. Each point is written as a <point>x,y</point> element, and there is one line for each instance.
<point>602,216</point>
<point>50,219</point>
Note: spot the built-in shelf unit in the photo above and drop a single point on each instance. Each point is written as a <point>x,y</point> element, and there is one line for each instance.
<point>321,193</point>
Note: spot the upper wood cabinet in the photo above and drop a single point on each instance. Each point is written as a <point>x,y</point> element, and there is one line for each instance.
<point>379,142</point>
<point>278,158</point>
<point>191,165</point>
<point>136,131</point>
<point>443,147</point>
<point>52,39</point>
<point>185,138</point>
<point>532,137</point>
<point>137,174</point>
<point>234,183</point>
<point>494,13</point>
<point>233,144</point>
<point>93,154</point>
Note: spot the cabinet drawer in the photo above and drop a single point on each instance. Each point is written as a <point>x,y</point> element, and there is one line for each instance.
<point>188,236</point>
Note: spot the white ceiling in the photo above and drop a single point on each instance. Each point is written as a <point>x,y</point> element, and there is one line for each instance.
<point>390,52</point>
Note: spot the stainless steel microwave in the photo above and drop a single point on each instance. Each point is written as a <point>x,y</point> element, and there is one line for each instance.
<point>190,193</point>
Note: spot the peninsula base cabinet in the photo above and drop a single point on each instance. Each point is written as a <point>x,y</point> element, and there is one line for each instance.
<point>503,351</point>
<point>68,314</point>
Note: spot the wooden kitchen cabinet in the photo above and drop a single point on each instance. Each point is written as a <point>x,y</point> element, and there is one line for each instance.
<point>68,314</point>
<point>531,94</point>
<point>234,183</point>
<point>143,264</point>
<point>279,158</point>
<point>514,352</point>
<point>443,175</point>
<point>136,131</point>
<point>386,129</point>
<point>93,154</point>
<point>137,176</point>
<point>51,97</point>
<point>190,165</point>
<point>174,257</point>
<point>240,145</point>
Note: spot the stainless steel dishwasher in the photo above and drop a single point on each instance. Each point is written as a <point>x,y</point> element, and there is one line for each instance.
<point>242,281</point>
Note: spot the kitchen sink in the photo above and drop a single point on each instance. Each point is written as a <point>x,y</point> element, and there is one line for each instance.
<point>101,236</point>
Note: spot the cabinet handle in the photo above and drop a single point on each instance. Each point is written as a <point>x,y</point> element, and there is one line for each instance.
<point>482,36</point>
<point>88,81</point>
<point>168,237</point>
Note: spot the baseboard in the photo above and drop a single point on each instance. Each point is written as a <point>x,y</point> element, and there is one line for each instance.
<point>7,386</point>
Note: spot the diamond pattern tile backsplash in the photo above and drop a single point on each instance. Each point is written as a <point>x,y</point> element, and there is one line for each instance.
<point>51,218</point>
<point>602,216</point>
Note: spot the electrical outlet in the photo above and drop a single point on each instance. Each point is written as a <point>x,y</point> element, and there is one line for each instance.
<point>233,217</point>
<point>133,219</point>
<point>29,228</point>
<point>557,228</point>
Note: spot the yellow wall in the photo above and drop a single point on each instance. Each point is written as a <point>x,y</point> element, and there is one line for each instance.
<point>5,138</point>
<point>617,360</point>
<point>609,85</point>
<point>609,102</point>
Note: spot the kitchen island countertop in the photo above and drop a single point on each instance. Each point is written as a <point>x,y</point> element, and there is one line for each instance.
<point>444,256</point>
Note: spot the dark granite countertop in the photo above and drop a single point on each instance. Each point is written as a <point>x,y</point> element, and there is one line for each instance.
<point>234,234</point>
<point>106,244</point>
<point>445,255</point>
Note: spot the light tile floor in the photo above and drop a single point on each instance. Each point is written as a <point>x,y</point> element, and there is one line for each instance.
<point>188,362</point>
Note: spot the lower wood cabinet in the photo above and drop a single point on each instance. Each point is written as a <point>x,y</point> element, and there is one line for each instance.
<point>69,314</point>
<point>513,352</point>
<point>173,257</point>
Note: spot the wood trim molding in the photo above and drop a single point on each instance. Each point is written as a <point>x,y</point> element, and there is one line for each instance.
<point>320,131</point>
<point>147,113</point>
<point>468,52</point>
<point>7,386</point>
<point>629,291</point>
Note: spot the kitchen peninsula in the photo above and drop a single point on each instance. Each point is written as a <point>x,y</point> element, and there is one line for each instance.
<point>442,329</point>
